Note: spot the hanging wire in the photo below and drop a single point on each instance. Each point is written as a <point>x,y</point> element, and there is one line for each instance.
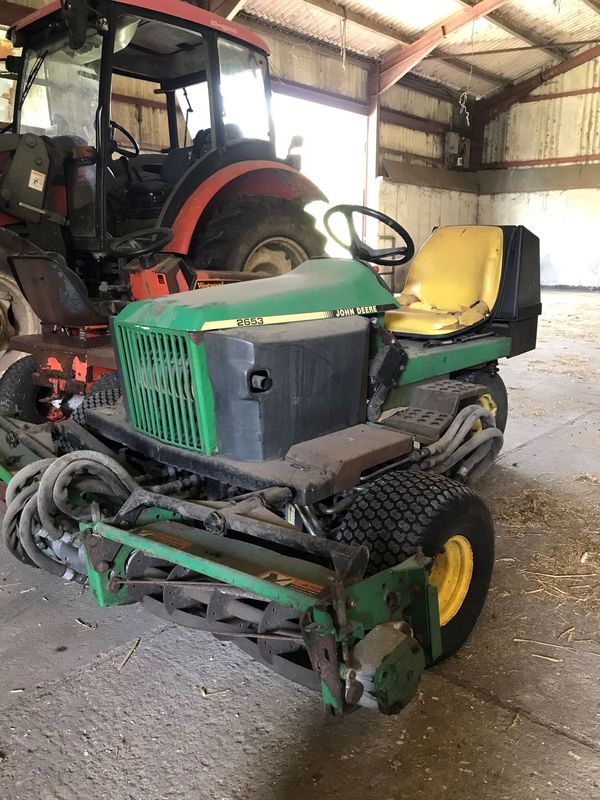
<point>343,38</point>
<point>464,97</point>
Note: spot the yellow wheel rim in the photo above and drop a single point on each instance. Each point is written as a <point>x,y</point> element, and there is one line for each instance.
<point>487,401</point>
<point>451,575</point>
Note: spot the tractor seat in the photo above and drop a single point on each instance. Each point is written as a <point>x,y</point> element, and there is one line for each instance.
<point>452,284</point>
<point>172,168</point>
<point>56,294</point>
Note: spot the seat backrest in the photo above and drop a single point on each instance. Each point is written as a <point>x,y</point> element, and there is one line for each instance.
<point>56,293</point>
<point>458,266</point>
<point>175,164</point>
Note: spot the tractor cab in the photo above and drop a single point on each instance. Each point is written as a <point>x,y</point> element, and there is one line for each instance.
<point>74,147</point>
<point>91,209</point>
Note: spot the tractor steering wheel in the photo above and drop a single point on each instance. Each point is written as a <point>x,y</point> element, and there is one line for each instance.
<point>389,257</point>
<point>123,151</point>
<point>138,243</point>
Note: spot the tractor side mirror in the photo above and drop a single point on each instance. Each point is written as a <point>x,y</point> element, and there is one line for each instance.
<point>292,158</point>
<point>14,64</point>
<point>75,15</point>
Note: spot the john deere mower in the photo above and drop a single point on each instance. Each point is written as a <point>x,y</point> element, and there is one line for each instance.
<point>77,190</point>
<point>286,467</point>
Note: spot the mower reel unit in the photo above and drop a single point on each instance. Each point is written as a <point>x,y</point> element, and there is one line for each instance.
<point>286,466</point>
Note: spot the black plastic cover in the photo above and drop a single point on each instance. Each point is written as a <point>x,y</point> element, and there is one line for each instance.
<point>519,296</point>
<point>277,385</point>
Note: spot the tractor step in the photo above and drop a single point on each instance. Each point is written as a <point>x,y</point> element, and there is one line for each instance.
<point>446,396</point>
<point>424,424</point>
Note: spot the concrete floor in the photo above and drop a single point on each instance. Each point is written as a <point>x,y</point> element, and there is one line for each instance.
<point>515,715</point>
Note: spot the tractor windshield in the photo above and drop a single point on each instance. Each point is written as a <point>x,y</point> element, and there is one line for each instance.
<point>60,91</point>
<point>243,74</point>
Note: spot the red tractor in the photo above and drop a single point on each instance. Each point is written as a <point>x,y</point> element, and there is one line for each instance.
<point>90,222</point>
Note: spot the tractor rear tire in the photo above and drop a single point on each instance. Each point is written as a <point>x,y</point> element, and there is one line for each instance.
<point>260,234</point>
<point>497,390</point>
<point>19,395</point>
<point>104,392</point>
<point>403,511</point>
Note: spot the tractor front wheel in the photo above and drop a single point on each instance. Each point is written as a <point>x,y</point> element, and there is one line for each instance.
<point>20,395</point>
<point>403,511</point>
<point>261,234</point>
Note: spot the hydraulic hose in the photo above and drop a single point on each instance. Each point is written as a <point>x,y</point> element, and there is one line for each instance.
<point>107,477</point>
<point>468,447</point>
<point>438,451</point>
<point>26,524</point>
<point>10,524</point>
<point>24,477</point>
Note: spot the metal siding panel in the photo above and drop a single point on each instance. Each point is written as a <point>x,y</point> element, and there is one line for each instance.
<point>395,137</point>
<point>421,105</point>
<point>567,126</point>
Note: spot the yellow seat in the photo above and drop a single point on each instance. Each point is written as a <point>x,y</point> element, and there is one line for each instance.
<point>452,283</point>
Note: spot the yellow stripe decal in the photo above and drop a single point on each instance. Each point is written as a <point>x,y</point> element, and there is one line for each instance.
<point>247,322</point>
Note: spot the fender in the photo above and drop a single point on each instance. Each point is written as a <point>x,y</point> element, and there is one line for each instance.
<point>241,179</point>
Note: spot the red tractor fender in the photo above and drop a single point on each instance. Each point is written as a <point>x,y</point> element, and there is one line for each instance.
<point>242,179</point>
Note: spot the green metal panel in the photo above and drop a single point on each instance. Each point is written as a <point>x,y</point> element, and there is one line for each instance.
<point>326,286</point>
<point>433,362</point>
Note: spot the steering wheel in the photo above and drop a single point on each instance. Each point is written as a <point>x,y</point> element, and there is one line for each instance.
<point>123,151</point>
<point>138,243</point>
<point>389,257</point>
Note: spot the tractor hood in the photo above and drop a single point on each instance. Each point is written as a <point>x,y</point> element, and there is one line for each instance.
<point>321,288</point>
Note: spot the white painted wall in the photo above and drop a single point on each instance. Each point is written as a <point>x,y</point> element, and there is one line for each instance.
<point>567,226</point>
<point>560,128</point>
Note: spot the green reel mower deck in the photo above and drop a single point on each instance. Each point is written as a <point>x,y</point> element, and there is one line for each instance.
<point>309,616</point>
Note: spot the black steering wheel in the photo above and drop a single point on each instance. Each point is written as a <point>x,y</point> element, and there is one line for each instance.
<point>390,257</point>
<point>138,243</point>
<point>123,151</point>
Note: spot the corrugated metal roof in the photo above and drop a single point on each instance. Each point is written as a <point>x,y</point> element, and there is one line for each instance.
<point>373,27</point>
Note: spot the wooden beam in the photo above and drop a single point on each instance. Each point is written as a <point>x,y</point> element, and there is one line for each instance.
<point>226,8</point>
<point>492,106</point>
<point>13,12</point>
<point>379,28</point>
<point>593,4</point>
<point>555,95</point>
<point>401,60</point>
<point>391,116</point>
<point>304,92</point>
<point>506,24</point>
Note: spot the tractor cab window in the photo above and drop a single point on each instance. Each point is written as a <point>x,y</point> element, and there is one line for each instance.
<point>194,105</point>
<point>60,92</point>
<point>243,74</point>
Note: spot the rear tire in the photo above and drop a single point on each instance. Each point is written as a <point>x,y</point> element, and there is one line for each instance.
<point>20,395</point>
<point>260,234</point>
<point>497,391</point>
<point>404,511</point>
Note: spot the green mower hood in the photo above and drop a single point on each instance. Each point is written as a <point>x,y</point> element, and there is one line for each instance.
<point>318,289</point>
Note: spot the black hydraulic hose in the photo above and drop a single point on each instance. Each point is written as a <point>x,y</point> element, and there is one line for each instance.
<point>53,492</point>
<point>10,523</point>
<point>22,478</point>
<point>468,447</point>
<point>439,451</point>
<point>26,523</point>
